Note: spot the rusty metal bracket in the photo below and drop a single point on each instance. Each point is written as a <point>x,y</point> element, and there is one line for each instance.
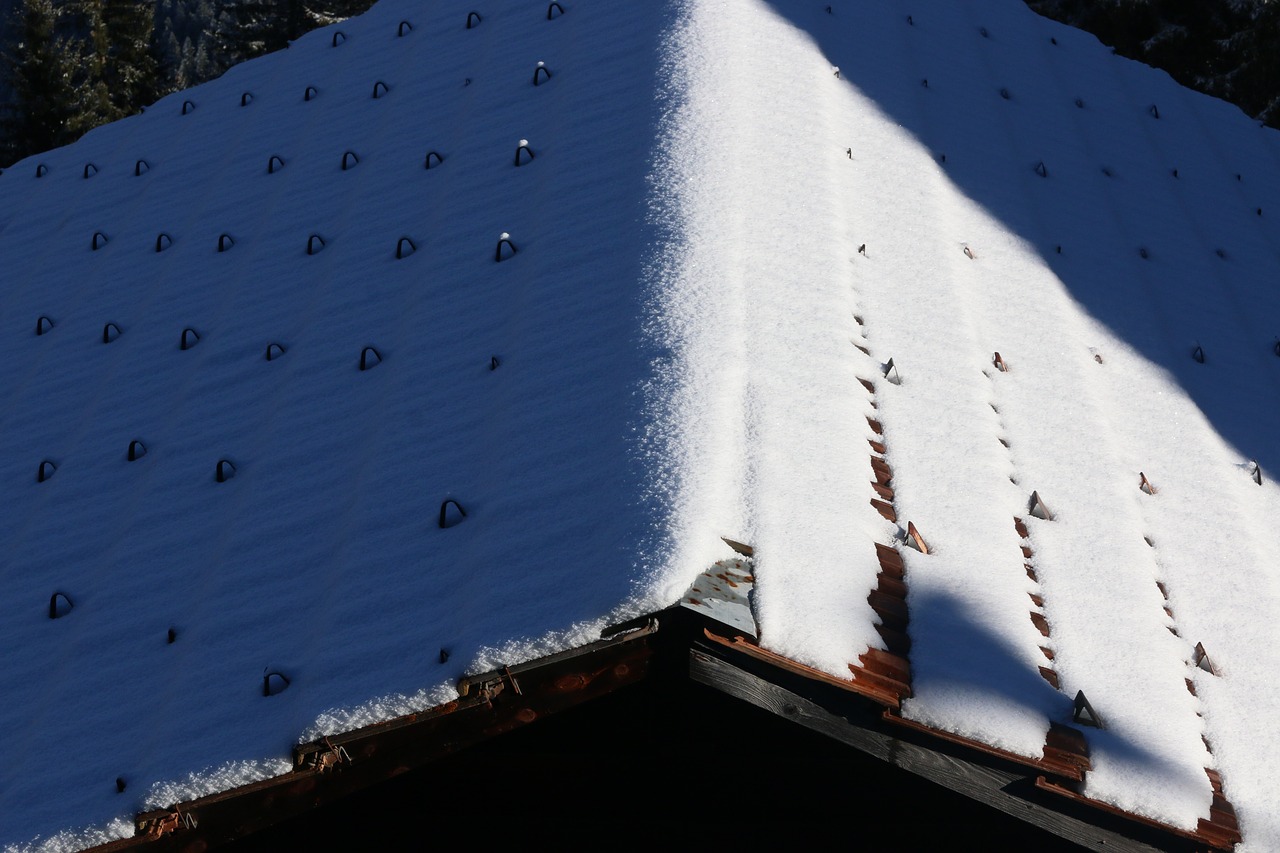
<point>160,823</point>
<point>515,685</point>
<point>325,759</point>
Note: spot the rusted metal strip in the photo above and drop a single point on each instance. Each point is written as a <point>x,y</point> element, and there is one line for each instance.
<point>1068,769</point>
<point>890,560</point>
<point>1216,837</point>
<point>343,763</point>
<point>885,509</point>
<point>861,688</point>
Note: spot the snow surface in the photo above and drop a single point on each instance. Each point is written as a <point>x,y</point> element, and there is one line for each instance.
<point>675,337</point>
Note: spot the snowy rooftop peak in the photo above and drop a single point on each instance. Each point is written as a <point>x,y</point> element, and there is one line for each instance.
<point>588,475</point>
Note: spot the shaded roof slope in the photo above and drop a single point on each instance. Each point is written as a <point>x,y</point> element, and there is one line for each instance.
<point>322,557</point>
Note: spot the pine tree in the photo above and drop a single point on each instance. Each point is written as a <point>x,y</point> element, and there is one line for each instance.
<point>91,56</point>
<point>131,68</point>
<point>41,70</point>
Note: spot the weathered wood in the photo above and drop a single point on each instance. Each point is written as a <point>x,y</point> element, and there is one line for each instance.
<point>1217,837</point>
<point>741,646</point>
<point>991,786</point>
<point>345,763</point>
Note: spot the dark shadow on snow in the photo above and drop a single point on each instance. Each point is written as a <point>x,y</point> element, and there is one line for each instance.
<point>1170,263</point>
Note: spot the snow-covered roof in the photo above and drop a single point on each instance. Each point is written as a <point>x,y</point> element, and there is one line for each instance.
<point>728,221</point>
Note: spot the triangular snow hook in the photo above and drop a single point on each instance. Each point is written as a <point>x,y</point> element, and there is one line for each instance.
<point>41,170</point>
<point>275,164</point>
<point>190,337</point>
<point>90,170</point>
<point>369,357</point>
<point>1257,472</point>
<point>523,148</point>
<point>140,168</point>
<point>137,450</point>
<point>473,20</point>
<point>349,159</point>
<point>504,240</point>
<point>246,98</point>
<point>314,244</point>
<point>1042,170</point>
<point>1082,712</point>
<point>187,106</point>
<point>99,240</point>
<point>274,351</point>
<point>555,10</point>
<point>1145,484</point>
<point>163,241</point>
<point>309,93</point>
<point>44,324</point>
<point>890,372</point>
<point>225,471</point>
<point>540,73</point>
<point>1000,363</point>
<point>405,248</point>
<point>59,605</point>
<point>1036,506</point>
<point>913,537</point>
<point>1155,111</point>
<point>110,332</point>
<point>225,242</point>
<point>1201,659</point>
<point>338,38</point>
<point>404,28</point>
<point>273,682</point>
<point>379,89</point>
<point>45,471</point>
<point>449,519</point>
<point>1198,354</point>
<point>493,362</point>
<point>433,159</point>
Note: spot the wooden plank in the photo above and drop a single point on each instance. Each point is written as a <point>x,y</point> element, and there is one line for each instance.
<point>1067,769</point>
<point>378,752</point>
<point>1215,836</point>
<point>786,664</point>
<point>992,786</point>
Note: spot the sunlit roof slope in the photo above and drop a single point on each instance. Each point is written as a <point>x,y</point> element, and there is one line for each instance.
<point>438,340</point>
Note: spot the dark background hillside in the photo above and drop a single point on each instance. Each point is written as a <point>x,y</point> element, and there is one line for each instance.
<point>67,66</point>
<point>1225,48</point>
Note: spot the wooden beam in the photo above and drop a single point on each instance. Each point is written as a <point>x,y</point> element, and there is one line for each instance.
<point>993,786</point>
